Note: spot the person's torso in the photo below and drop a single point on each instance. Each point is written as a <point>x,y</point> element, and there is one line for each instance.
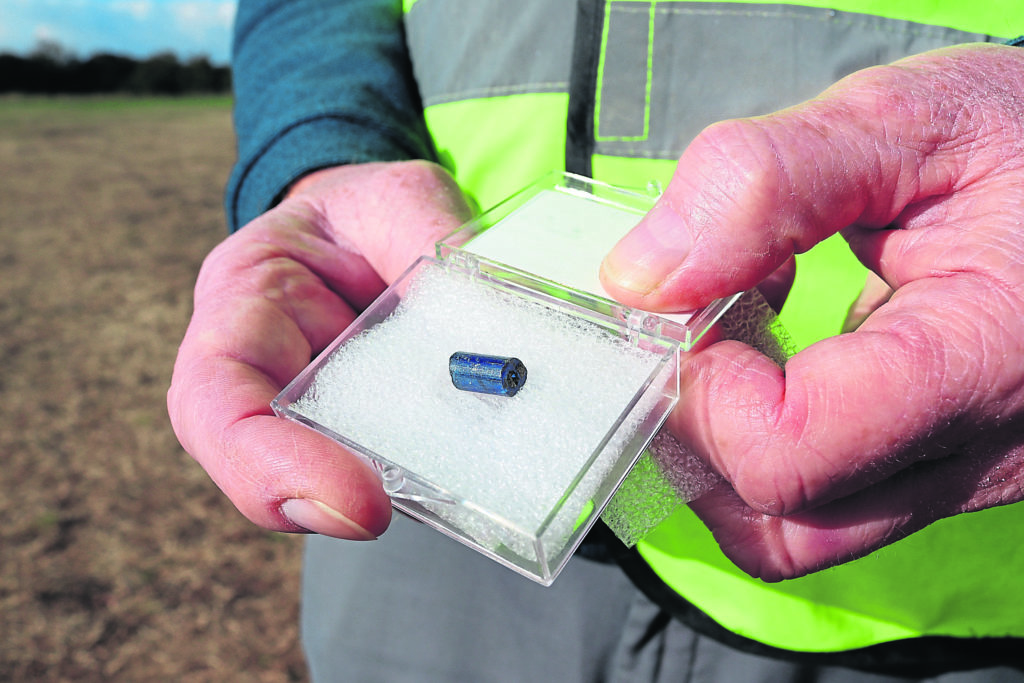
<point>616,89</point>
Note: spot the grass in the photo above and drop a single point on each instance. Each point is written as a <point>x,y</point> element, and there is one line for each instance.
<point>119,559</point>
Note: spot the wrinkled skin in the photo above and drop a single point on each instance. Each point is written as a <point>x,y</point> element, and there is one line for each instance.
<point>267,299</point>
<point>919,413</point>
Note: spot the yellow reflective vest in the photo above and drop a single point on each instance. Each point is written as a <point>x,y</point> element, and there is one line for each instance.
<point>615,89</point>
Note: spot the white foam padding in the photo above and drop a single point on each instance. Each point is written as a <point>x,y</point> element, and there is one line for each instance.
<point>669,474</point>
<point>388,389</point>
<point>666,476</point>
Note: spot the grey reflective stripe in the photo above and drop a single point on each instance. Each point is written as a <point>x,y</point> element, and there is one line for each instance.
<point>466,49</point>
<point>625,69</point>
<point>662,78</point>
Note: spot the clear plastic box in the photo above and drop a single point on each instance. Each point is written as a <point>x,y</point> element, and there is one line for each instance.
<point>508,477</point>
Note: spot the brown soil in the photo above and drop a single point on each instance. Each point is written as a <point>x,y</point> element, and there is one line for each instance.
<point>119,559</point>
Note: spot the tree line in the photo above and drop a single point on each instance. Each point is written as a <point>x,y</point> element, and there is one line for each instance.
<point>51,70</point>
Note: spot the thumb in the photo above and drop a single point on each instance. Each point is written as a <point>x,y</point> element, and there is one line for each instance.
<point>749,193</point>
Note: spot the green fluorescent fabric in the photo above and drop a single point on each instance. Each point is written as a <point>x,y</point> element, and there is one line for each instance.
<point>526,131</point>
<point>954,578</point>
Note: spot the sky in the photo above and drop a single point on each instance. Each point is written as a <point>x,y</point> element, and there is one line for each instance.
<point>135,28</point>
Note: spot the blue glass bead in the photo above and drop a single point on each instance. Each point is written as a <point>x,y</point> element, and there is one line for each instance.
<point>487,374</point>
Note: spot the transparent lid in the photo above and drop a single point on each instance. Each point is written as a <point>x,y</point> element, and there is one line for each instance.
<point>555,233</point>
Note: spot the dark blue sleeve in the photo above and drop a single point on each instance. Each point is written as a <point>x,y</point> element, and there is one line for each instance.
<point>318,83</point>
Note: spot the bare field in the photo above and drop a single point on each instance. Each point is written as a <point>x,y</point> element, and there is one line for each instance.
<point>119,559</point>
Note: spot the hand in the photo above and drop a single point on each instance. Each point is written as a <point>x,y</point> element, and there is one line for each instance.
<point>918,414</point>
<point>269,298</point>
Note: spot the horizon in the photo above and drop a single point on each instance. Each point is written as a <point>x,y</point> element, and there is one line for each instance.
<point>131,28</point>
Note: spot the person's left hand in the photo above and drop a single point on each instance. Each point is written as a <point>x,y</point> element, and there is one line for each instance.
<point>917,415</point>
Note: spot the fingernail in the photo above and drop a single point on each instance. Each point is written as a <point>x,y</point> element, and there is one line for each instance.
<point>313,515</point>
<point>649,253</point>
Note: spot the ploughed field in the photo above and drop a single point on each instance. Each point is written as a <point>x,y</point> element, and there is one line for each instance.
<point>119,559</point>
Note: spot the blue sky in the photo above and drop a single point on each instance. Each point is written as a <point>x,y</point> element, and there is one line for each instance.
<point>137,28</point>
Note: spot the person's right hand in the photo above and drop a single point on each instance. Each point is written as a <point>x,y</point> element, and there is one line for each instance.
<point>918,414</point>
<point>271,297</point>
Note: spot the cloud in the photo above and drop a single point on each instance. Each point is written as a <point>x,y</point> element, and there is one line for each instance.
<point>203,16</point>
<point>226,12</point>
<point>44,33</point>
<point>200,24</point>
<point>139,9</point>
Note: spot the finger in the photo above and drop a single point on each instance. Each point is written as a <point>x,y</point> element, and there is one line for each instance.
<point>747,194</point>
<point>390,212</point>
<point>989,473</point>
<point>915,381</point>
<point>286,260</point>
<point>875,293</point>
<point>973,229</point>
<point>259,316</point>
<point>775,288</point>
<point>279,474</point>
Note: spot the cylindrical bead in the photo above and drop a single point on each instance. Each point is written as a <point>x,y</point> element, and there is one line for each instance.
<point>486,374</point>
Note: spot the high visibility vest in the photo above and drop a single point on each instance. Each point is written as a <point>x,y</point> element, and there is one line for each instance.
<point>616,89</point>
